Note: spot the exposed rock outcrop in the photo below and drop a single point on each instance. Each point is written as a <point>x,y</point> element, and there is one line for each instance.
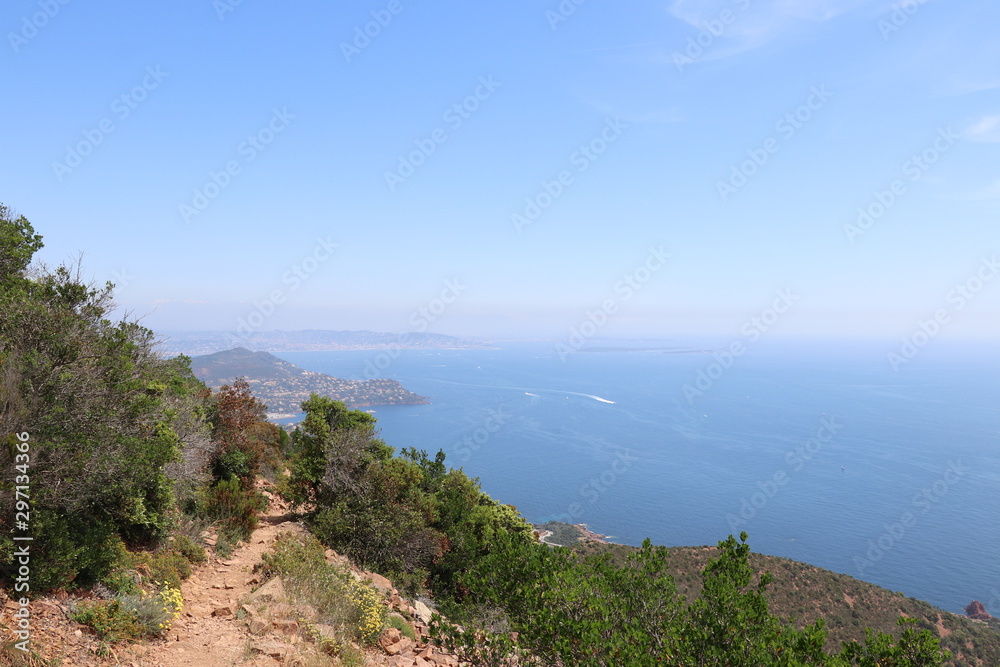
<point>977,610</point>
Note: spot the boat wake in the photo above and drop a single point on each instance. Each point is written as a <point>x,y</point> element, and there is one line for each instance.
<point>596,398</point>
<point>526,390</point>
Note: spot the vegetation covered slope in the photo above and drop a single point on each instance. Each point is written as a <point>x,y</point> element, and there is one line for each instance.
<point>107,447</point>
<point>283,386</point>
<point>847,605</point>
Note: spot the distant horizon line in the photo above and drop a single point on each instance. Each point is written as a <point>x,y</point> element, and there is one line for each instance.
<point>556,337</point>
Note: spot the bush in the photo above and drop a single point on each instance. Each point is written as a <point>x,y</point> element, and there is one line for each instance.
<point>237,418</point>
<point>169,568</point>
<point>235,508</point>
<point>109,619</point>
<point>291,556</point>
<point>371,612</point>
<point>148,611</point>
<point>401,624</point>
<point>408,516</point>
<point>71,553</point>
<point>187,547</point>
<point>232,465</point>
<point>135,571</point>
<point>129,617</point>
<point>341,601</point>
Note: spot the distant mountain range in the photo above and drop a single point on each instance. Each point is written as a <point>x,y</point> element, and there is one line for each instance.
<point>312,340</point>
<point>282,386</point>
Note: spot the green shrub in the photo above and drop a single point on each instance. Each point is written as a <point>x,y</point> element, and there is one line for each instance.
<point>291,555</point>
<point>129,617</point>
<point>235,508</point>
<point>74,552</point>
<point>155,612</point>
<point>233,464</point>
<point>134,571</point>
<point>341,601</point>
<point>194,552</point>
<point>123,581</point>
<point>400,624</point>
<point>410,584</point>
<point>109,619</point>
<point>167,567</point>
<point>224,545</point>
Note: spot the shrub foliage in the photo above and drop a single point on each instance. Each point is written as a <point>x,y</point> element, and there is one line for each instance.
<point>117,434</point>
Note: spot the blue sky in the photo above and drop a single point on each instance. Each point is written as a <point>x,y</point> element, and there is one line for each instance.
<point>271,163</point>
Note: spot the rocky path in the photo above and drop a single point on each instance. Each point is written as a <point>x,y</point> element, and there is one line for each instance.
<point>208,633</point>
<point>223,623</point>
<point>229,619</point>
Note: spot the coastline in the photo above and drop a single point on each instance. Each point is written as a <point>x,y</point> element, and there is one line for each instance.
<point>570,533</point>
<point>591,536</point>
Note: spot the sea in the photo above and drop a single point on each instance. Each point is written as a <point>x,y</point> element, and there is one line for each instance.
<point>837,454</point>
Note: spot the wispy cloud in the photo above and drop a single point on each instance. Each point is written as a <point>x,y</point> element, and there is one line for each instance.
<point>755,23</point>
<point>761,20</point>
<point>970,87</point>
<point>986,130</point>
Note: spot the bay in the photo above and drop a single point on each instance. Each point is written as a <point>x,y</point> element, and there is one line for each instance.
<point>820,451</point>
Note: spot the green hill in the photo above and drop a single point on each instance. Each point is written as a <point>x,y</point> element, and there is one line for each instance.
<point>807,593</point>
<point>282,386</point>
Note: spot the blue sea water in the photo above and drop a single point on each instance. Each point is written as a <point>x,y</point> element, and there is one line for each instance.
<point>821,452</point>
